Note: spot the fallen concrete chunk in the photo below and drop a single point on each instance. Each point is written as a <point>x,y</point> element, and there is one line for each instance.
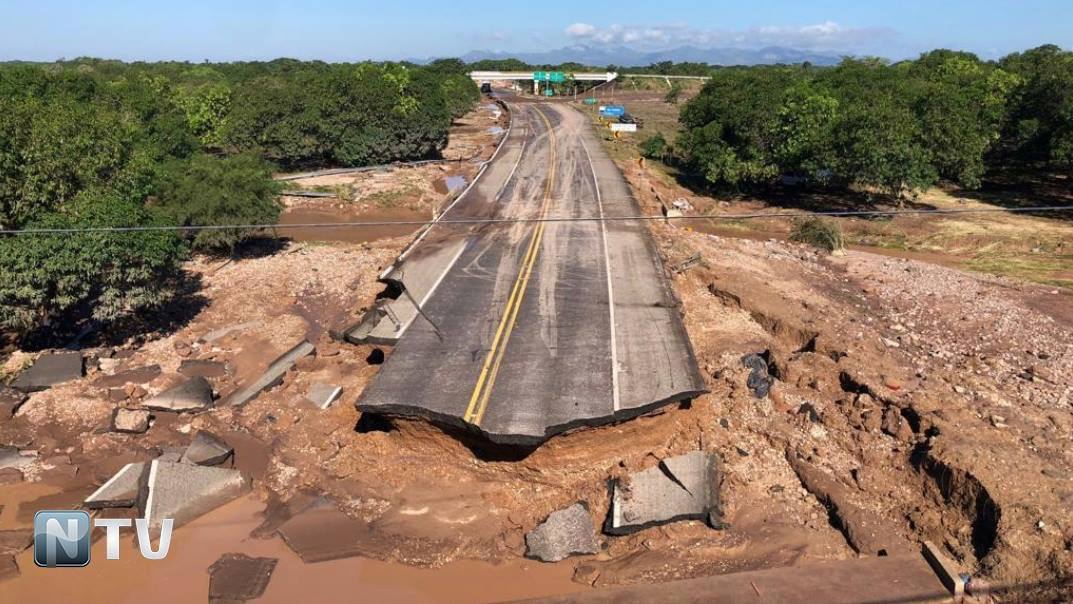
<point>121,490</point>
<point>207,449</point>
<point>944,570</point>
<point>323,395</point>
<point>130,421</point>
<point>323,532</point>
<point>202,368</point>
<point>565,532</point>
<point>173,454</point>
<point>183,492</point>
<point>238,577</point>
<point>679,488</point>
<point>272,375</point>
<point>138,375</point>
<point>194,394</point>
<point>10,401</point>
<point>50,369</point>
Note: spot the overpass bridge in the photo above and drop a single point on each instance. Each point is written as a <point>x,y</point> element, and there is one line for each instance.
<point>541,76</point>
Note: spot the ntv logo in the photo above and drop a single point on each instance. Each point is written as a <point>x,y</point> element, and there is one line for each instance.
<point>62,538</point>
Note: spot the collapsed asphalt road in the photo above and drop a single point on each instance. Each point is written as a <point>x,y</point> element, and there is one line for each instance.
<point>527,329</point>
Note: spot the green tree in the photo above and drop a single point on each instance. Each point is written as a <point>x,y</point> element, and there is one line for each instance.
<point>654,147</point>
<point>207,190</point>
<point>68,278</point>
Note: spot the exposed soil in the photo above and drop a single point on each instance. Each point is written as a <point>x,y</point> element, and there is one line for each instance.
<point>909,402</point>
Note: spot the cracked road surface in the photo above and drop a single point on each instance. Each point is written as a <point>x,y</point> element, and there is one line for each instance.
<point>529,329</point>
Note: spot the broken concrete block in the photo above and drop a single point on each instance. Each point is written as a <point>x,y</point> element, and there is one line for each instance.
<point>172,454</point>
<point>121,490</point>
<point>50,369</point>
<point>138,375</point>
<point>183,492</point>
<point>130,421</point>
<point>273,375</point>
<point>323,395</point>
<point>944,569</point>
<point>10,401</point>
<point>679,488</point>
<point>238,577</point>
<point>565,532</point>
<point>194,394</point>
<point>207,449</point>
<point>202,368</point>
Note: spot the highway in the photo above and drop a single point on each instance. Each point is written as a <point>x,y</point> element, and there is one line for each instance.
<point>529,329</point>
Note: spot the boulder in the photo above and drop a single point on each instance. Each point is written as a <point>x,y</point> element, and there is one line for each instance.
<point>10,401</point>
<point>130,421</point>
<point>195,394</point>
<point>564,533</point>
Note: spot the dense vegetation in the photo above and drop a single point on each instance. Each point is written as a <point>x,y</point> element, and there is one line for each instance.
<point>91,143</point>
<point>896,129</point>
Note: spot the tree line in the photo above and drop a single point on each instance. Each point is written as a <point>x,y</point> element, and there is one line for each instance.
<point>93,143</point>
<point>893,128</point>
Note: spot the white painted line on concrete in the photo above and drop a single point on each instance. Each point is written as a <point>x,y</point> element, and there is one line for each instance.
<point>610,289</point>
<point>111,480</point>
<point>387,271</point>
<point>151,483</point>
<point>402,328</point>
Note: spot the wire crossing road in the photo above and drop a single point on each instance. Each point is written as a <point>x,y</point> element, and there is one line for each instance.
<point>529,329</point>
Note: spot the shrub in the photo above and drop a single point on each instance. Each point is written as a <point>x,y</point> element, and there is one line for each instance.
<point>819,233</point>
<point>654,147</point>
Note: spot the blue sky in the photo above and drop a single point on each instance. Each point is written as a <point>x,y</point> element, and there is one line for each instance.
<point>337,30</point>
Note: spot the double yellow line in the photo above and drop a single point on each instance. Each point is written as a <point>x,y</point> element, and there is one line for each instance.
<point>478,401</point>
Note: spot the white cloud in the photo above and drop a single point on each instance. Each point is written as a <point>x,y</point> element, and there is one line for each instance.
<point>827,35</point>
<point>581,30</point>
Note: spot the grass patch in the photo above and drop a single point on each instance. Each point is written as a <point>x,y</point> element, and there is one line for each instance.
<point>1048,270</point>
<point>391,198</point>
<point>819,233</point>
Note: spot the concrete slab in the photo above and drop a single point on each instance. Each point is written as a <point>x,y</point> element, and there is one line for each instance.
<point>183,492</point>
<point>901,579</point>
<point>238,577</point>
<point>323,533</point>
<point>273,375</point>
<point>130,421</point>
<point>207,449</point>
<point>137,375</point>
<point>195,394</point>
<point>323,395</point>
<point>51,368</point>
<point>120,491</point>
<point>202,368</point>
<point>685,487</point>
<point>565,533</point>
<point>219,334</point>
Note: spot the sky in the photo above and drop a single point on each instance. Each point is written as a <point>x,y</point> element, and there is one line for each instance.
<point>339,30</point>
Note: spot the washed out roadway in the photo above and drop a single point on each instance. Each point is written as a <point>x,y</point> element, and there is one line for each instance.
<point>529,329</point>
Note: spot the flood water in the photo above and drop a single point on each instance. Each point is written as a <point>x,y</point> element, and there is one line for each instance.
<point>348,234</point>
<point>183,576</point>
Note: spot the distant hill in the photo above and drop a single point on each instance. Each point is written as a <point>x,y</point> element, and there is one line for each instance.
<point>628,57</point>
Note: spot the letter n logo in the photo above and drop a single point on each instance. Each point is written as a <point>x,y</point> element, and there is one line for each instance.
<point>61,538</point>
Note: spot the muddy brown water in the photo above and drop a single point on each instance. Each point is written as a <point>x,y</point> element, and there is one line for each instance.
<point>348,234</point>
<point>183,575</point>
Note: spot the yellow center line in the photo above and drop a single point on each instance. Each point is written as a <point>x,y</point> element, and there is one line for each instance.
<point>478,401</point>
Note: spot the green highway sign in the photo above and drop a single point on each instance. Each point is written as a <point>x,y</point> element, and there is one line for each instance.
<point>549,76</point>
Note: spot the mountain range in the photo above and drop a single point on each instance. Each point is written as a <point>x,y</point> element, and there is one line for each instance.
<point>629,57</point>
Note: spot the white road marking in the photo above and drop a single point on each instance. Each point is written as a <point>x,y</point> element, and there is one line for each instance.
<point>610,289</point>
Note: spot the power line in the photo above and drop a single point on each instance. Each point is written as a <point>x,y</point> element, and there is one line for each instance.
<point>480,221</point>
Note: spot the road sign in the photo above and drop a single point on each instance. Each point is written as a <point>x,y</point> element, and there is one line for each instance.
<point>613,111</point>
<point>623,127</point>
<point>549,76</point>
